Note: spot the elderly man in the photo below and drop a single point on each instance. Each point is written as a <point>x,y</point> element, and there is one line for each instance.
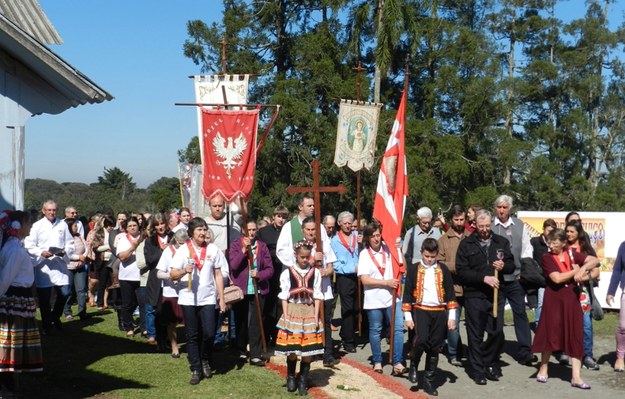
<point>517,235</point>
<point>479,257</point>
<point>417,234</point>
<point>345,247</point>
<point>329,223</point>
<point>72,213</point>
<point>46,243</point>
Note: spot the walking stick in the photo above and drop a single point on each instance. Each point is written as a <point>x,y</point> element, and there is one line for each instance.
<point>393,310</point>
<point>495,296</point>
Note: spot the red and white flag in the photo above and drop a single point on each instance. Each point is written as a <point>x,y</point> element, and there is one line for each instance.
<point>229,153</point>
<point>392,189</point>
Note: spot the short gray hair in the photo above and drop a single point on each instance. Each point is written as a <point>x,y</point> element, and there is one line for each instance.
<point>504,198</point>
<point>424,212</point>
<point>181,235</point>
<point>327,218</point>
<point>345,214</point>
<point>482,213</point>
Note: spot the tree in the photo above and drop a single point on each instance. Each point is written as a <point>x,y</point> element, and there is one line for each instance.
<point>191,154</point>
<point>118,181</point>
<point>165,194</point>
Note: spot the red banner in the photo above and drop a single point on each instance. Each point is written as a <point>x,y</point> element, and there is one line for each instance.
<point>229,145</point>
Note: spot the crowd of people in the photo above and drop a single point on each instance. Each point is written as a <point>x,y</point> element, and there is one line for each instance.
<point>275,284</point>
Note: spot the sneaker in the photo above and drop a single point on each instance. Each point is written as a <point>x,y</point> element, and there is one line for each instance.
<point>455,362</point>
<point>257,362</point>
<point>591,364</point>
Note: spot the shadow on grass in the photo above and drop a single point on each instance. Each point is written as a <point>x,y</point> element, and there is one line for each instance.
<point>67,355</point>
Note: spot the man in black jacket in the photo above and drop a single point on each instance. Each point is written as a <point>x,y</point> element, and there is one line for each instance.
<point>481,261</point>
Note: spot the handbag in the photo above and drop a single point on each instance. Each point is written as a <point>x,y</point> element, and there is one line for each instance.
<point>596,312</point>
<point>232,294</point>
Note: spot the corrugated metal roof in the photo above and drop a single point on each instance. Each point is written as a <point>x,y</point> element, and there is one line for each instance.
<point>29,16</point>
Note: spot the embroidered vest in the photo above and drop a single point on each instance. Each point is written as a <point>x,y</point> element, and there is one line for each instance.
<point>302,286</point>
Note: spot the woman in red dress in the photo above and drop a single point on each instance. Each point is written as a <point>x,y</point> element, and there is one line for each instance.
<point>562,327</point>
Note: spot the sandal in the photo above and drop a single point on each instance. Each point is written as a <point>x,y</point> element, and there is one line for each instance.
<point>399,370</point>
<point>542,378</point>
<point>377,368</point>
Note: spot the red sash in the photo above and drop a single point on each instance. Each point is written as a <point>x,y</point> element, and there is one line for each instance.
<point>375,261</point>
<point>346,245</point>
<point>563,266</point>
<point>198,262</point>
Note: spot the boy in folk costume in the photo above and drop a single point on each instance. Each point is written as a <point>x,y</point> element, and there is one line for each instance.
<point>299,329</point>
<point>429,306</point>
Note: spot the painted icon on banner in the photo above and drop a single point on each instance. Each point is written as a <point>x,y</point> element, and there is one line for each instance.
<point>356,134</point>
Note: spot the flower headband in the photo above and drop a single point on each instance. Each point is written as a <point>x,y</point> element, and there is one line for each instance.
<point>303,244</point>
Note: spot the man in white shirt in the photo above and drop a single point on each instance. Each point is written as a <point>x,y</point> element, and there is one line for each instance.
<point>45,243</point>
<point>71,212</point>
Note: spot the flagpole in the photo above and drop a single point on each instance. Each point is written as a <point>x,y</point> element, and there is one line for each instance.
<point>396,276</point>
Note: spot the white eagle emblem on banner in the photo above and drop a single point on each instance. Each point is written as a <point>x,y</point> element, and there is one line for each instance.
<point>231,152</point>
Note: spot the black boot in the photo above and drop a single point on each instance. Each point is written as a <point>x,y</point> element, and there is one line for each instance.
<point>414,365</point>
<point>291,385</point>
<point>428,378</point>
<point>304,368</point>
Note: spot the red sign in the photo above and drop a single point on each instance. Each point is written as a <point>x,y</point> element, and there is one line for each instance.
<point>229,146</point>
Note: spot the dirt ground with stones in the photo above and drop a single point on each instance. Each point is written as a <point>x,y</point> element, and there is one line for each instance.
<point>518,381</point>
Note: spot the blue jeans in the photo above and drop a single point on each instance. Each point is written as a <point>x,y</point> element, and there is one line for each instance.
<point>588,335</point>
<point>378,318</point>
<point>539,307</point>
<point>453,337</point>
<point>150,315</point>
<point>48,315</point>
<point>77,281</point>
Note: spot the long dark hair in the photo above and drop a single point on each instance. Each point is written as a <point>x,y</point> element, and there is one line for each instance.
<point>582,237</point>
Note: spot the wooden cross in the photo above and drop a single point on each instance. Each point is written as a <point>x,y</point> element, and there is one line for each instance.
<point>316,189</point>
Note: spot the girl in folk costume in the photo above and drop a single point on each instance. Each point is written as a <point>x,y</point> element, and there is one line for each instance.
<point>429,306</point>
<point>20,350</point>
<point>299,329</point>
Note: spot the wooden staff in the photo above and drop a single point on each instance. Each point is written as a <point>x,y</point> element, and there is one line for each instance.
<point>250,261</point>
<point>394,306</point>
<point>495,296</point>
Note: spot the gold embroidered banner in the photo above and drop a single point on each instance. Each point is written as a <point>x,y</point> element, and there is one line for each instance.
<point>356,134</point>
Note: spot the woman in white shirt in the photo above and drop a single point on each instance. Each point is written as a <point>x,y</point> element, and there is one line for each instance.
<point>129,274</point>
<point>375,270</point>
<point>198,265</point>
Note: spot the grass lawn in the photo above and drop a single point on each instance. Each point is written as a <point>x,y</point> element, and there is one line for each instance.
<point>94,359</point>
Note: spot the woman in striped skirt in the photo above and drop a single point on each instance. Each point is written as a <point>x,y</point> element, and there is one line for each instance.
<point>299,330</point>
<point>21,343</point>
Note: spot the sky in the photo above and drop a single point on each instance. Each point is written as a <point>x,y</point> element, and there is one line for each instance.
<point>133,50</point>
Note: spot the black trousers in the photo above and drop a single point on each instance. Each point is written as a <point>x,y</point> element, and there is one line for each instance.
<point>130,300</point>
<point>347,289</point>
<point>327,328</point>
<point>246,325</point>
<point>430,330</point>
<point>479,319</point>
<point>515,294</point>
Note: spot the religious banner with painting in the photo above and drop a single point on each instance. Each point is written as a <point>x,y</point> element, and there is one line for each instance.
<point>229,152</point>
<point>219,89</point>
<point>356,134</point>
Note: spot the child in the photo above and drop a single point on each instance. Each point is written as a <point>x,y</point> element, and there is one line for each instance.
<point>427,296</point>
<point>299,331</point>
